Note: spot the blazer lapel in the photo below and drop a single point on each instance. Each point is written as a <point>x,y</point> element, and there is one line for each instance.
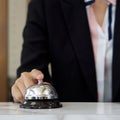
<point>77,24</point>
<point>116,54</point>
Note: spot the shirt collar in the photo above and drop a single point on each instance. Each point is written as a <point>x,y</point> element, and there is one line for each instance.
<point>89,2</point>
<point>112,2</point>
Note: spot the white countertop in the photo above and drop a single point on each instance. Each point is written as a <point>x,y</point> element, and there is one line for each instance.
<point>69,111</point>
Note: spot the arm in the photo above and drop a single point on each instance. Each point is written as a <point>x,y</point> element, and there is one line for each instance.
<point>35,47</point>
<point>35,53</point>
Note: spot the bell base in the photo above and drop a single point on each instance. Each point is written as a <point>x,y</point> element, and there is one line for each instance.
<point>41,104</point>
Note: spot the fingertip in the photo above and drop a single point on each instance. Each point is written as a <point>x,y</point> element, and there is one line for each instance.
<point>37,74</point>
<point>40,76</point>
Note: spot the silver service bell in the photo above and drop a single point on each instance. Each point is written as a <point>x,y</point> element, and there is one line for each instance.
<point>41,96</point>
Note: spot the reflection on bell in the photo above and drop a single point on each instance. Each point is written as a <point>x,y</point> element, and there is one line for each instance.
<point>41,96</point>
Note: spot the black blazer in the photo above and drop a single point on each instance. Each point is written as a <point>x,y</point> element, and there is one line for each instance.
<point>57,32</point>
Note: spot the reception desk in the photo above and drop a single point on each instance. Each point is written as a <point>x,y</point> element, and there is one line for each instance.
<point>69,111</point>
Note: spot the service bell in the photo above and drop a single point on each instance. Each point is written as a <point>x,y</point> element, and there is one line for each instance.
<point>41,96</point>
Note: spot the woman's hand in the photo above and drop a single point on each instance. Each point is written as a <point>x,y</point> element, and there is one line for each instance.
<point>24,81</point>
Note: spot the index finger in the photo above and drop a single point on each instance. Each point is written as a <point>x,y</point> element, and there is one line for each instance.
<point>37,74</point>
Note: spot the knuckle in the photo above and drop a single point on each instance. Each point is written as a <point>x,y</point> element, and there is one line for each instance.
<point>17,82</point>
<point>24,74</point>
<point>34,70</point>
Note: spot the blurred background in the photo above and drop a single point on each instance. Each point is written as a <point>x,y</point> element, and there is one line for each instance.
<point>12,21</point>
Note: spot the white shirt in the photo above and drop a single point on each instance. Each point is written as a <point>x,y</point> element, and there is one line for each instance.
<point>102,41</point>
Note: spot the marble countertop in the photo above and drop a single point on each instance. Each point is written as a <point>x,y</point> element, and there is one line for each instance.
<point>69,111</point>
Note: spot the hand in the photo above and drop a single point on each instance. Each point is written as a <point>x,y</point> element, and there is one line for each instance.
<point>24,81</point>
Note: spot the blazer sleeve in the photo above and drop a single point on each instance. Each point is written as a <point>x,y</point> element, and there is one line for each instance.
<point>35,54</point>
